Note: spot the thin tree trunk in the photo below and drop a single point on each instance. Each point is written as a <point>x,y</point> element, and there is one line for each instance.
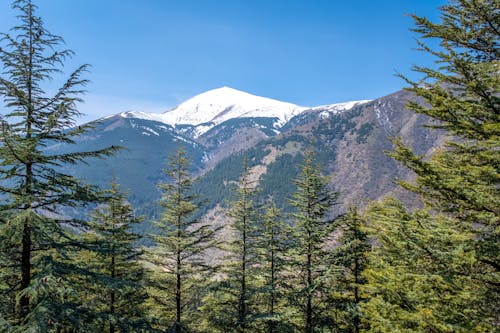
<point>309,320</point>
<point>356,294</point>
<point>178,250</point>
<point>242,301</point>
<point>273,284</point>
<point>309,295</point>
<point>112,298</point>
<point>178,294</point>
<point>25,267</point>
<point>26,239</point>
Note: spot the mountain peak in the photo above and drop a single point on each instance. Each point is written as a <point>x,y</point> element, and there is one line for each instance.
<point>215,106</point>
<point>218,105</point>
<point>223,97</point>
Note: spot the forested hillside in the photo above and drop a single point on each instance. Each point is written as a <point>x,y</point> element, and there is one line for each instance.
<point>371,216</point>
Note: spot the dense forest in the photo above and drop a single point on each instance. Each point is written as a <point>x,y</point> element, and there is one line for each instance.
<point>386,268</point>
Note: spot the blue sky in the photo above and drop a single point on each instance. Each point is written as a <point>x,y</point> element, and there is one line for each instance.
<point>151,55</point>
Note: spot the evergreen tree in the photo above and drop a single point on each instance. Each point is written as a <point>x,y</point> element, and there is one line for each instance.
<point>350,259</point>
<point>116,297</point>
<point>34,190</point>
<point>273,242</point>
<point>231,307</point>
<point>416,279</point>
<point>179,268</point>
<point>311,260</point>
<point>460,183</point>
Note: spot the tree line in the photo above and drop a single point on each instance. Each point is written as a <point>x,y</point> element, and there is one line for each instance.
<point>385,269</point>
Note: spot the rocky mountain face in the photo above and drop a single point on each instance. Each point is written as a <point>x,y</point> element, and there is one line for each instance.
<point>221,127</point>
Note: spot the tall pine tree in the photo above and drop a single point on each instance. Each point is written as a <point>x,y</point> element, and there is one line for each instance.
<point>459,185</point>
<point>416,277</point>
<point>179,269</point>
<point>311,261</point>
<point>115,295</point>
<point>34,190</point>
<point>231,305</point>
<point>350,257</point>
<point>273,241</point>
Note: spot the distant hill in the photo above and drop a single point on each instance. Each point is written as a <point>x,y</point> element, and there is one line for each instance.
<point>221,127</point>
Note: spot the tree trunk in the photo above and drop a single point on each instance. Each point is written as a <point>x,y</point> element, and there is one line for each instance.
<point>242,301</point>
<point>309,320</point>
<point>25,268</point>
<point>273,284</point>
<point>178,295</point>
<point>26,239</point>
<point>356,294</point>
<point>112,296</point>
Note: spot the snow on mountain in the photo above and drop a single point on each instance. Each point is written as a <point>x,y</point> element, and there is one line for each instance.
<point>339,107</point>
<point>213,107</point>
<point>218,105</point>
<point>225,103</point>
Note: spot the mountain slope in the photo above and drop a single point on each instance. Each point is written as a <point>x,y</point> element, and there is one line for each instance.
<point>350,140</point>
<point>351,146</point>
<point>218,105</point>
<point>202,112</point>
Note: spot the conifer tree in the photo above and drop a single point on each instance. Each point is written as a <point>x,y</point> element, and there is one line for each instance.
<point>350,259</point>
<point>34,190</point>
<point>230,307</point>
<point>415,276</point>
<point>178,267</point>
<point>116,296</point>
<point>273,242</point>
<point>311,260</point>
<point>460,183</point>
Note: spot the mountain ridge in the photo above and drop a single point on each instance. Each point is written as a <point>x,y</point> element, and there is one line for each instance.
<point>350,142</point>
<point>204,111</point>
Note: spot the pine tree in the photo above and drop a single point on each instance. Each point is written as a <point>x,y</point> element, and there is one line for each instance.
<point>116,295</point>
<point>311,260</point>
<point>460,183</point>
<point>273,242</point>
<point>230,307</point>
<point>179,269</point>
<point>34,189</point>
<point>351,260</point>
<point>416,277</point>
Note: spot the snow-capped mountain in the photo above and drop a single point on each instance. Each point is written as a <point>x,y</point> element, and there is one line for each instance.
<point>206,110</point>
<point>349,138</point>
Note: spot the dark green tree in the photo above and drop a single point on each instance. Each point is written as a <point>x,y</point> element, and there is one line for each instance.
<point>179,269</point>
<point>231,306</point>
<point>116,293</point>
<point>273,242</point>
<point>350,257</point>
<point>460,183</point>
<point>311,260</point>
<point>415,276</point>
<point>34,189</point>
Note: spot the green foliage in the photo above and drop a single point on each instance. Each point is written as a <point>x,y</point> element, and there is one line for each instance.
<point>273,243</point>
<point>232,302</point>
<point>177,263</point>
<point>276,183</point>
<point>459,184</point>
<point>34,191</point>
<point>434,269</point>
<point>417,277</point>
<point>114,293</point>
<point>311,262</point>
<point>351,260</point>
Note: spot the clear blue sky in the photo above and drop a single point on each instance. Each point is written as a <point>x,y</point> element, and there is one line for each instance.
<point>150,55</point>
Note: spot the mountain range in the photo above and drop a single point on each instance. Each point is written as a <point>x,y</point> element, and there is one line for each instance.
<point>221,127</point>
